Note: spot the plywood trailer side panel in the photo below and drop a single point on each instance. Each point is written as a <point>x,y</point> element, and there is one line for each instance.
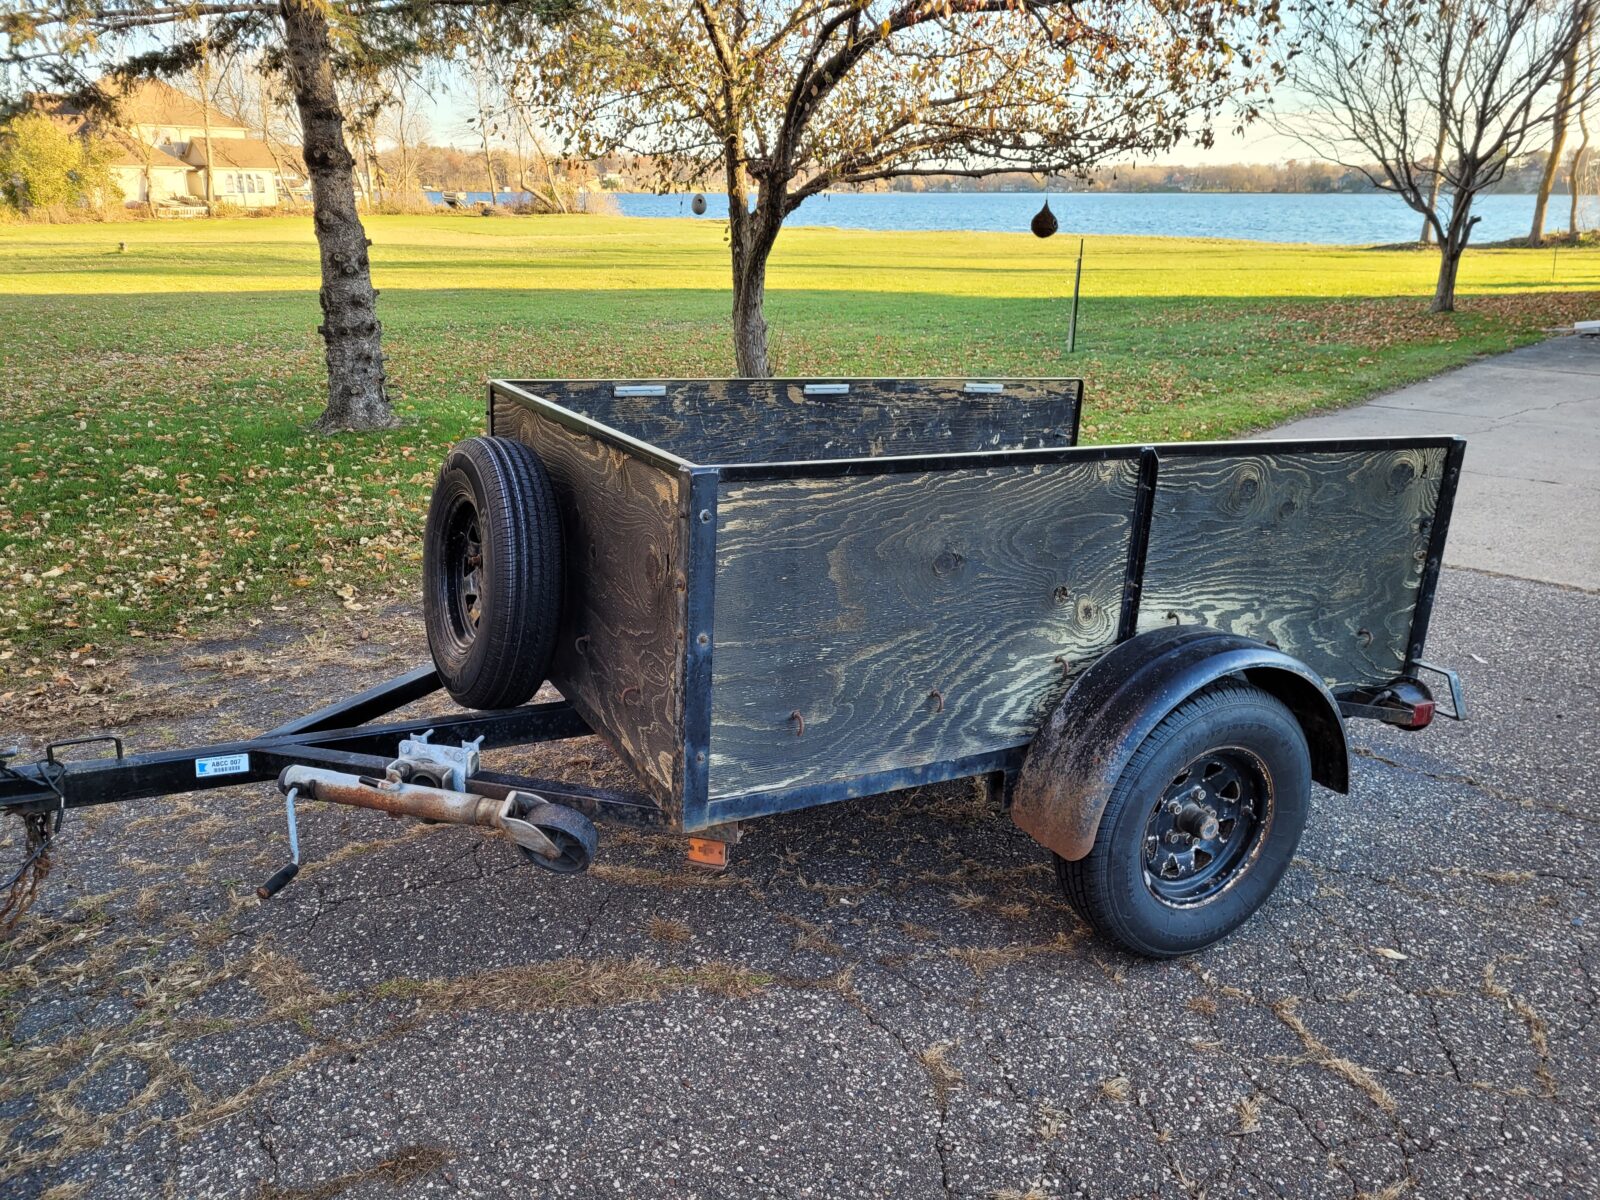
<point>886,621</point>
<point>778,420</point>
<point>1319,553</point>
<point>620,654</point>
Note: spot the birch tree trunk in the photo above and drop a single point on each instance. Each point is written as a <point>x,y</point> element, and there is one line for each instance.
<point>1558,140</point>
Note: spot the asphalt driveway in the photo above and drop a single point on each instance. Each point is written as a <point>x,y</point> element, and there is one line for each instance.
<point>884,999</point>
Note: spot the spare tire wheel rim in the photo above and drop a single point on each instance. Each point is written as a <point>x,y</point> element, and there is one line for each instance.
<point>1207,829</point>
<point>464,573</point>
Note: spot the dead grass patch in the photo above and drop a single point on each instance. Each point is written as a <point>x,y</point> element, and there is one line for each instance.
<point>573,983</point>
<point>412,1162</point>
<point>812,936</point>
<point>1118,1089</point>
<point>650,877</point>
<point>106,698</point>
<point>983,959</point>
<point>1353,1073</point>
<point>1539,1035</point>
<point>285,986</point>
<point>834,893</point>
<point>1504,878</point>
<point>1053,1122</point>
<point>1393,1192</point>
<point>1249,1110</point>
<point>667,931</point>
<point>943,1076</point>
<point>313,653</point>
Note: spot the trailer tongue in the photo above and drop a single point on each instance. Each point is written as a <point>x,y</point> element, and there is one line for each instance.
<point>768,595</point>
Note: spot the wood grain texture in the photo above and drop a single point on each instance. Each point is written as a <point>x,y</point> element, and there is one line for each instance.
<point>774,420</point>
<point>905,618</point>
<point>1320,554</point>
<point>619,656</point>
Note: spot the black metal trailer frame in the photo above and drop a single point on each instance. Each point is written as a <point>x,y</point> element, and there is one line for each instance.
<point>336,736</point>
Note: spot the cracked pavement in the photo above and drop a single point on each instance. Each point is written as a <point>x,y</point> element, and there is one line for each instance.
<point>882,998</point>
<point>1416,1005</point>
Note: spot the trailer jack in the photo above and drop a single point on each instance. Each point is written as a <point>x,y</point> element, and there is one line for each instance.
<point>551,836</point>
<point>428,767</point>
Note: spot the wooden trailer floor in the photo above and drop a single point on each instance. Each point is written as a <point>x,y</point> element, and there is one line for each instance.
<point>881,1000</point>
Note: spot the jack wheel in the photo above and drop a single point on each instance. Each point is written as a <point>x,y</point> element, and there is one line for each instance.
<point>574,836</point>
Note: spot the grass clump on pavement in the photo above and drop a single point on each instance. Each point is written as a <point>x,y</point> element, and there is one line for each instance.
<point>159,464</point>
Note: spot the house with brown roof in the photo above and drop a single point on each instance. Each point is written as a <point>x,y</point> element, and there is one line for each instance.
<point>167,143</point>
<point>145,173</point>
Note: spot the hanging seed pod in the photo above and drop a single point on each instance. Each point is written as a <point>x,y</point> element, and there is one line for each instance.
<point>1044,222</point>
<point>698,204</point>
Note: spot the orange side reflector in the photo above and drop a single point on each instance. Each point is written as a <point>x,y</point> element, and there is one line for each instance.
<point>706,853</point>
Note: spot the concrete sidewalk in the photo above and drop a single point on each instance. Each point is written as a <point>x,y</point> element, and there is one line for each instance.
<point>1529,503</point>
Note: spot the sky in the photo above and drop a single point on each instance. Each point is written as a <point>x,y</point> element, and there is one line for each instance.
<point>450,106</point>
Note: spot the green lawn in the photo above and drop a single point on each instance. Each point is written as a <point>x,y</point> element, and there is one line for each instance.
<point>158,464</point>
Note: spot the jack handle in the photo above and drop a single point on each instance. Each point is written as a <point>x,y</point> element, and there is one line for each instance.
<point>286,873</point>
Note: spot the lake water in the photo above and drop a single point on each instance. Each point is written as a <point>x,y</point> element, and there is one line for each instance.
<point>1330,219</point>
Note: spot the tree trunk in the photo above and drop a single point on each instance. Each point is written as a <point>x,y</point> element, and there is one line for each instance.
<point>549,171</point>
<point>1547,180</point>
<point>1558,138</point>
<point>1452,244</point>
<point>749,324</point>
<point>1444,292</point>
<point>1575,180</point>
<point>750,241</point>
<point>1433,187</point>
<point>1575,183</point>
<point>205,118</point>
<point>351,333</point>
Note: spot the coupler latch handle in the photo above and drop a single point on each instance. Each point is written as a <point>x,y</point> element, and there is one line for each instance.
<point>290,869</point>
<point>1458,698</point>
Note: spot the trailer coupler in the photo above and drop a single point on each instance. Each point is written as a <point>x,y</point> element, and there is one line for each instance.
<point>551,836</point>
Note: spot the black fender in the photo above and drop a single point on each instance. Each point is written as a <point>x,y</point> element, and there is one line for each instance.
<point>1073,764</point>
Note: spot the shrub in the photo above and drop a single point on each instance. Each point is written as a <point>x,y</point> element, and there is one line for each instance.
<point>45,167</point>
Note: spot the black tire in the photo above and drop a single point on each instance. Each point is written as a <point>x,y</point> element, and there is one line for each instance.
<point>492,573</point>
<point>1232,753</point>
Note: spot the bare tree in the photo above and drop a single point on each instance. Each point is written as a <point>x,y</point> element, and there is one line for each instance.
<point>1580,155</point>
<point>784,99</point>
<point>478,51</point>
<point>1384,82</point>
<point>1572,70</point>
<point>402,124</point>
<point>246,88</point>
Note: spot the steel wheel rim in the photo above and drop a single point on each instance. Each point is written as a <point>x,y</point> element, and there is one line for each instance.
<point>463,569</point>
<point>1206,829</point>
<point>573,856</point>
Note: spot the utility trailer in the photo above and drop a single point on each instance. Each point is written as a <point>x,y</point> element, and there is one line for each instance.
<point>768,595</point>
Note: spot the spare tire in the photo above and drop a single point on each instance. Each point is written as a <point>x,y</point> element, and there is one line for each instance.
<point>492,573</point>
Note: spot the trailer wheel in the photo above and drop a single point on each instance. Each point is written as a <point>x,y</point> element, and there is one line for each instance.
<point>1200,827</point>
<point>492,573</point>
